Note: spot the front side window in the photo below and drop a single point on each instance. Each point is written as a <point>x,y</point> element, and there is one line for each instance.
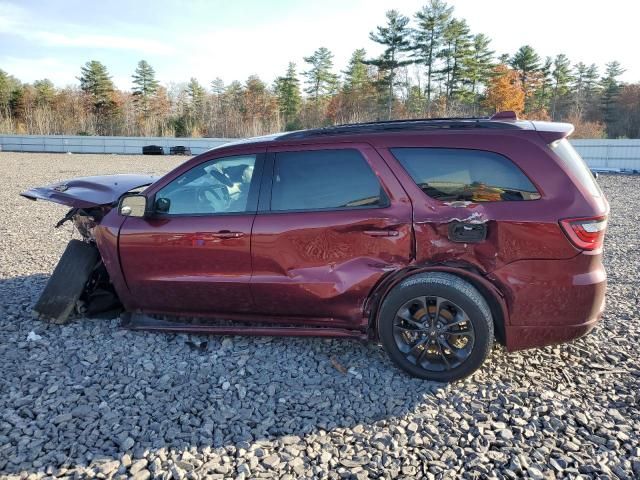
<point>450,174</point>
<point>215,187</point>
<point>324,179</point>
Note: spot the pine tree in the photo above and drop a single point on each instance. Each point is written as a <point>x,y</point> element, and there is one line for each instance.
<point>543,93</point>
<point>610,91</point>
<point>196,94</point>
<point>527,63</point>
<point>45,91</point>
<point>456,52</point>
<point>321,81</point>
<point>96,82</point>
<point>427,39</point>
<point>356,76</point>
<point>145,85</point>
<point>287,90</point>
<point>478,67</point>
<point>217,86</point>
<point>561,80</point>
<point>395,37</point>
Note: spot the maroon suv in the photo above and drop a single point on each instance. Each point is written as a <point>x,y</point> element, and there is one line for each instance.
<point>430,236</point>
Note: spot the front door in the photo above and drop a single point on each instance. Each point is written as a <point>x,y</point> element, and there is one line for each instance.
<point>192,254</point>
<point>331,223</point>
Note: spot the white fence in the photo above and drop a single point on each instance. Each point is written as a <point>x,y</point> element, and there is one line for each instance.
<point>86,144</point>
<point>622,154</point>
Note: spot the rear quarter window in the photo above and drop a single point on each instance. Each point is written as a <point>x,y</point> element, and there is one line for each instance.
<point>574,163</point>
<point>451,174</point>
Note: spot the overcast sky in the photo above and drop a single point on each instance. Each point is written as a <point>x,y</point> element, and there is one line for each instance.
<point>236,38</point>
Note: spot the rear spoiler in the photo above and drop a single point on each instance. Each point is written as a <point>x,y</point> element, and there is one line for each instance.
<point>552,131</point>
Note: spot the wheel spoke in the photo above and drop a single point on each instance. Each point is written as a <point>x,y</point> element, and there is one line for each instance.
<point>439,302</point>
<point>443,355</point>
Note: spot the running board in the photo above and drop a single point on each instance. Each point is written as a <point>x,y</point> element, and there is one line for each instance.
<point>139,321</point>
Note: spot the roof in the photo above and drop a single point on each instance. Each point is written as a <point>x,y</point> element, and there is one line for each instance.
<point>499,121</point>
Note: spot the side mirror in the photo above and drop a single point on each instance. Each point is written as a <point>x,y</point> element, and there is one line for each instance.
<point>134,205</point>
<point>162,205</point>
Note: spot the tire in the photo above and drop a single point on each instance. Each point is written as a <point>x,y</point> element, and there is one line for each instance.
<point>432,345</point>
<point>67,282</point>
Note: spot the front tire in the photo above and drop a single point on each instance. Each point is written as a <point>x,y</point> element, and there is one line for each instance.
<point>436,326</point>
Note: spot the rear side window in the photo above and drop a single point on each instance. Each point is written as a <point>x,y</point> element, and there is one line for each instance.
<point>450,174</point>
<point>324,179</point>
<point>573,162</point>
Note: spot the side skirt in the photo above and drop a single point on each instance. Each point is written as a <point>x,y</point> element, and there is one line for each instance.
<point>139,321</point>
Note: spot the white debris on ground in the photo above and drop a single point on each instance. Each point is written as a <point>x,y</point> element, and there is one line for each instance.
<point>91,400</point>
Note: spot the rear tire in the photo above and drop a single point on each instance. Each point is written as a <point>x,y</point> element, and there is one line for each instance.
<point>436,326</point>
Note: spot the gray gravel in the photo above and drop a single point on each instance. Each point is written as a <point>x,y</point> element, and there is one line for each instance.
<point>90,400</point>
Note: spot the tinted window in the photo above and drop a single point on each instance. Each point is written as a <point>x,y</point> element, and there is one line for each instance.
<point>575,164</point>
<point>324,179</point>
<point>218,186</point>
<point>473,175</point>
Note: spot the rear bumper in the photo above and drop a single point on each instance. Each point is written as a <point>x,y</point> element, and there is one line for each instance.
<point>551,301</point>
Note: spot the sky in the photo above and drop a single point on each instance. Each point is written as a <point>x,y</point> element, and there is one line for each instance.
<point>237,38</point>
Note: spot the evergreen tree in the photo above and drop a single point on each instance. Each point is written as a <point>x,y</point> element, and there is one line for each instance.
<point>526,63</point>
<point>395,37</point>
<point>561,81</point>
<point>217,86</point>
<point>543,93</point>
<point>427,39</point>
<point>196,94</point>
<point>45,91</point>
<point>145,85</point>
<point>321,81</point>
<point>96,82</point>
<point>479,65</point>
<point>456,52</point>
<point>610,91</point>
<point>356,76</point>
<point>287,90</point>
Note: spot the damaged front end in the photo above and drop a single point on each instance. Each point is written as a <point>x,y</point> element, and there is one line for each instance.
<point>80,283</point>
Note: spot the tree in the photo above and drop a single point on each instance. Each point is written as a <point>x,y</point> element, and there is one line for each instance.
<point>321,81</point>
<point>561,80</point>
<point>610,90</point>
<point>526,63</point>
<point>96,82</point>
<point>543,92</point>
<point>427,39</point>
<point>455,53</point>
<point>287,90</point>
<point>45,91</point>
<point>145,85</point>
<point>479,65</point>
<point>395,37</point>
<point>505,91</point>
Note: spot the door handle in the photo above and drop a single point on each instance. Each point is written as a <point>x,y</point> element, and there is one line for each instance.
<point>227,234</point>
<point>382,233</point>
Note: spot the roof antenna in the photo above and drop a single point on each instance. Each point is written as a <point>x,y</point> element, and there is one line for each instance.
<point>506,115</point>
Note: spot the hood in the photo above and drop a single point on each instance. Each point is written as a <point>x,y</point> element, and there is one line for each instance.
<point>85,192</point>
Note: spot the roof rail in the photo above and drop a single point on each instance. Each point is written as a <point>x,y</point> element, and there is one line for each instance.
<point>497,121</point>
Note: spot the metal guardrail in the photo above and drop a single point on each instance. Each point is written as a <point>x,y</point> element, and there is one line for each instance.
<point>598,153</point>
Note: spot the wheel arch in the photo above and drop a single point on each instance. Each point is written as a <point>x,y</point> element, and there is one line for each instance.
<point>491,293</point>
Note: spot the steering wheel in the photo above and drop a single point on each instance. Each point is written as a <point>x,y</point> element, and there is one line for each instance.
<point>214,197</point>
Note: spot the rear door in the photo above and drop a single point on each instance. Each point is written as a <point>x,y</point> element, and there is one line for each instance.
<point>332,220</point>
<point>195,258</point>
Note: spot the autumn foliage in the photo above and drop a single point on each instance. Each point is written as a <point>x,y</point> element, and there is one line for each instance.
<point>505,91</point>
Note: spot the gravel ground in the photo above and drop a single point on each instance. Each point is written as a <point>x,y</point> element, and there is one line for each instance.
<point>90,400</point>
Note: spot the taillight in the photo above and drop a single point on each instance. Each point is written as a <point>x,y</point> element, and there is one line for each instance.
<point>585,233</point>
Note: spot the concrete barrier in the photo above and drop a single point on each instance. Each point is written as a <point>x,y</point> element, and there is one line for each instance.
<point>598,153</point>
